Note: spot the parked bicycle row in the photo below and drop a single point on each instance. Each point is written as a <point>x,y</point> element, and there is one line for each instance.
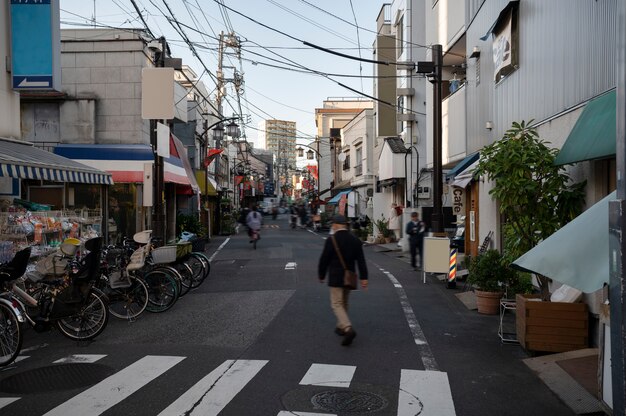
<point>80,285</point>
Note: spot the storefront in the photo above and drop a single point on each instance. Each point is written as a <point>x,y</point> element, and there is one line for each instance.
<point>45,198</point>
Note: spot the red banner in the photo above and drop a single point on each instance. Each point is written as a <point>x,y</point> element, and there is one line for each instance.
<point>238,180</point>
<point>212,154</point>
<point>313,170</point>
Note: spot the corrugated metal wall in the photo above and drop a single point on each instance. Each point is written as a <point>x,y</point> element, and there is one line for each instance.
<point>566,56</point>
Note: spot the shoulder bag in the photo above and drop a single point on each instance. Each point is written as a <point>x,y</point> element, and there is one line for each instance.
<point>349,277</point>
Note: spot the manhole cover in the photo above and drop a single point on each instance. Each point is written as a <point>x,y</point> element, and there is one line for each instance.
<point>55,378</point>
<point>349,401</point>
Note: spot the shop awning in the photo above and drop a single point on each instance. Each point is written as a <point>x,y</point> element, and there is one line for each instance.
<point>462,165</point>
<point>335,199</point>
<point>577,254</point>
<point>463,178</point>
<point>23,160</point>
<point>177,168</point>
<point>125,162</point>
<point>593,135</point>
<point>209,188</point>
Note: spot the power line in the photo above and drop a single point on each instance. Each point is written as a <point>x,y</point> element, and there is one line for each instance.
<point>358,38</point>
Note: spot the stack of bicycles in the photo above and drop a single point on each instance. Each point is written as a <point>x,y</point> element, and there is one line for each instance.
<point>68,300</point>
<point>136,276</point>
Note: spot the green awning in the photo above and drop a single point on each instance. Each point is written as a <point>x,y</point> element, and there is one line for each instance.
<point>593,136</point>
<point>577,254</point>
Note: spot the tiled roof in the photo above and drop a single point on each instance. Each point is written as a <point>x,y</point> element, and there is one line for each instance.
<point>396,144</point>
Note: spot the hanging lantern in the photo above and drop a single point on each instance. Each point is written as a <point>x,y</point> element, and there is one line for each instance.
<point>309,155</point>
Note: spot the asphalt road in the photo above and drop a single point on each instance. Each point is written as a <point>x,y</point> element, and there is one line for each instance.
<point>257,339</point>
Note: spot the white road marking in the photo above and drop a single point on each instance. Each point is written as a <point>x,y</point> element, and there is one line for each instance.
<point>329,375</point>
<point>289,413</point>
<point>20,358</point>
<point>5,401</point>
<point>219,248</point>
<point>428,359</point>
<point>81,358</point>
<point>112,390</point>
<point>210,395</point>
<point>425,393</point>
<point>291,266</point>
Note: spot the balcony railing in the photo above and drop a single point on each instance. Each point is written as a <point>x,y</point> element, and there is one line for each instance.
<point>358,170</point>
<point>47,146</point>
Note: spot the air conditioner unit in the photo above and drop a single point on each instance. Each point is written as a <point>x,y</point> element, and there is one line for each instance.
<point>423,192</point>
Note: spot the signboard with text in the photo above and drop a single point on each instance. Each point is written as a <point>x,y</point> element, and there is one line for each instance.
<point>35,44</point>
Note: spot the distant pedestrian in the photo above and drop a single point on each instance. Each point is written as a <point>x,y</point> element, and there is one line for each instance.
<point>395,220</point>
<point>342,247</point>
<point>415,230</point>
<point>254,221</point>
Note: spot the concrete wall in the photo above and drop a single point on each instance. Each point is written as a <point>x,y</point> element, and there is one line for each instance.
<point>105,65</point>
<point>9,100</point>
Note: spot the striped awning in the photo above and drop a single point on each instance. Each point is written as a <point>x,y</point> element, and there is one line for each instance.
<point>22,160</point>
<point>126,162</point>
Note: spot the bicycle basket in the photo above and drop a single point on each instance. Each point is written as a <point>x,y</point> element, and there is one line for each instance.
<point>165,254</point>
<point>52,265</point>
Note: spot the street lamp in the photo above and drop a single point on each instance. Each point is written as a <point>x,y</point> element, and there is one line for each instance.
<point>309,154</point>
<point>232,129</point>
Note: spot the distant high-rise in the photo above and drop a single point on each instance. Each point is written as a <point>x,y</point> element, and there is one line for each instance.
<point>279,136</point>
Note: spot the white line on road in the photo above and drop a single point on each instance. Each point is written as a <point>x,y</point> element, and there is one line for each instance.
<point>209,396</point>
<point>112,390</point>
<point>219,248</point>
<point>291,265</point>
<point>81,358</point>
<point>329,375</point>
<point>289,413</point>
<point>5,401</point>
<point>319,235</point>
<point>425,393</point>
<point>428,359</point>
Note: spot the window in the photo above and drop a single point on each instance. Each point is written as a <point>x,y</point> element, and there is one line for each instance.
<point>346,163</point>
<point>478,71</point>
<point>358,167</point>
<point>400,36</point>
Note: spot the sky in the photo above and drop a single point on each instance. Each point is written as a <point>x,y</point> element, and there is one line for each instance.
<point>344,26</point>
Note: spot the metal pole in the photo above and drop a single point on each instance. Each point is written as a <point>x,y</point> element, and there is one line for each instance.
<point>617,225</point>
<point>437,217</point>
<point>158,224</point>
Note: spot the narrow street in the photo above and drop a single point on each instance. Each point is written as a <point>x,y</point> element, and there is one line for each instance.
<point>257,339</point>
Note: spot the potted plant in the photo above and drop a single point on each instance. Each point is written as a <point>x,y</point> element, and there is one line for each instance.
<point>488,273</point>
<point>382,225</point>
<point>535,198</point>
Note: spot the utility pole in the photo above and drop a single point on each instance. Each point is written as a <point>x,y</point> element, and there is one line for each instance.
<point>617,226</point>
<point>437,218</point>
<point>158,220</point>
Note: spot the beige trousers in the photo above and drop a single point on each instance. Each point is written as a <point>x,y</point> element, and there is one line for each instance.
<point>339,302</point>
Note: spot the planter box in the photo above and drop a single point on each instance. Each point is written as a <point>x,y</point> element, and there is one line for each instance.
<point>551,326</point>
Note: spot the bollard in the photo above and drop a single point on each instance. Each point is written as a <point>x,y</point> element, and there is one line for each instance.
<point>451,284</point>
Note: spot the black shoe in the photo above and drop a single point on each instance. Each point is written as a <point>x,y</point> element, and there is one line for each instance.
<point>338,331</point>
<point>348,337</point>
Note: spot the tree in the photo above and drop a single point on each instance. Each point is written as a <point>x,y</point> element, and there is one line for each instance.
<point>534,196</point>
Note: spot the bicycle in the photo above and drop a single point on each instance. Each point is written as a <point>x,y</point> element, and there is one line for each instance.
<point>11,316</point>
<point>71,302</point>
<point>127,294</point>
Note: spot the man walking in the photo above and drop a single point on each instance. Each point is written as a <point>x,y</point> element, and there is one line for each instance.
<point>415,230</point>
<point>342,250</point>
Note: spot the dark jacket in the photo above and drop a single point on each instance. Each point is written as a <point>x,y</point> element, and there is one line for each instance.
<point>352,251</point>
<point>415,231</point>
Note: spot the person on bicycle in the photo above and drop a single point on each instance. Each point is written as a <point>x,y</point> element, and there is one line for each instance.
<point>253,220</point>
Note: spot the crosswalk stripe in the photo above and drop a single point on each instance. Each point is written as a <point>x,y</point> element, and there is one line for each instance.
<point>112,390</point>
<point>210,395</point>
<point>329,375</point>
<point>425,393</point>
<point>80,358</point>
<point>289,413</point>
<point>5,401</point>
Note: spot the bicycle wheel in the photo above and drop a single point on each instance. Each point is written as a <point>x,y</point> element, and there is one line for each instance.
<point>162,290</point>
<point>199,267</point>
<point>168,268</point>
<point>90,321</point>
<point>10,335</point>
<point>186,277</point>
<point>128,302</point>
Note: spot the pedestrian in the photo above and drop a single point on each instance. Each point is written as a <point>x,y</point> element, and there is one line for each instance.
<point>415,230</point>
<point>395,220</point>
<point>342,250</point>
